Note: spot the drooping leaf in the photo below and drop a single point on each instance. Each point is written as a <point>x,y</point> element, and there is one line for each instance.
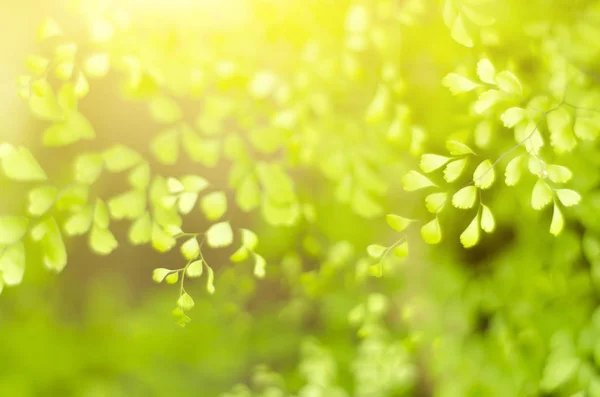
<point>541,195</point>
<point>214,205</point>
<point>513,171</point>
<point>435,202</point>
<point>568,197</point>
<point>457,148</point>
<point>431,232</point>
<point>558,221</point>
<point>398,223</point>
<point>219,235</point>
<point>465,197</point>
<point>454,169</point>
<point>488,224</point>
<point>190,249</point>
<point>484,175</point>
<point>470,236</point>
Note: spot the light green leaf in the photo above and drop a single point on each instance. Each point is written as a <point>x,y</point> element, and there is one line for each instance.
<point>249,239</point>
<point>484,175</point>
<point>431,162</point>
<point>195,269</point>
<point>560,125</point>
<point>488,224</point>
<point>36,64</point>
<point>248,194</point>
<point>509,83</point>
<point>401,251</point>
<point>88,168</point>
<point>81,87</point>
<point>120,158</point>
<point>513,116</point>
<point>174,186</point>
<point>378,107</point>
<point>210,278</point>
<point>487,100</point>
<point>159,274</point>
<point>260,266</point>
<point>80,222</point>
<point>186,202</point>
<point>97,65</point>
<point>140,231</point>
<point>239,255</point>
<point>458,84</point>
<point>12,264</point>
<point>397,222</point>
<point>190,249</point>
<point>41,200</point>
<point>194,183</point>
<point>541,195</point>
<point>414,181</point>
<point>53,246</point>
<point>375,250</point>
<point>568,197</point>
<point>558,173</point>
<point>484,133</point>
<point>101,214</point>
<point>172,278</point>
<point>185,302</point>
<point>165,110</point>
<point>219,235</point>
<point>459,32</point>
<point>457,148</point>
<point>282,214</point>
<point>20,165</point>
<point>214,205</point>
<point>558,221</point>
<point>201,149</point>
<point>161,240</point>
<point>465,197</point>
<point>470,236</point>
<point>165,147</point>
<point>513,171</point>
<point>486,71</point>
<point>558,371</point>
<point>454,169</point>
<point>435,202</point>
<point>431,232</point>
<point>48,28</point>
<point>102,241</point>
<point>12,229</point>
<point>139,177</point>
<point>586,128</point>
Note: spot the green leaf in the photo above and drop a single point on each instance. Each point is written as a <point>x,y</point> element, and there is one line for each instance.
<point>165,147</point>
<point>431,162</point>
<point>486,71</point>
<point>97,65</point>
<point>260,266</point>
<point>558,371</point>
<point>414,181</point>
<point>174,186</point>
<point>484,133</point>
<point>201,149</point>
<point>12,264</point>
<point>397,222</point>
<point>43,103</point>
<point>41,200</point>
<point>186,302</point>
<point>286,214</point>
<point>194,183</point>
<point>586,128</point>
<point>488,224</point>
<point>249,239</point>
<point>128,205</point>
<point>80,222</point>
<point>140,231</point>
<point>435,202</point>
<point>459,32</point>
<point>513,171</point>
<point>239,255</point>
<point>568,197</point>
<point>454,169</point>
<point>513,116</point>
<point>186,202</point>
<point>12,229</point>
<point>458,84</point>
<point>20,165</point>
<point>219,235</point>
<point>53,246</point>
<point>470,236</point>
<point>120,158</point>
<point>509,83</point>
<point>558,221</point>
<point>102,241</point>
<point>139,177</point>
<point>484,175</point>
<point>172,278</point>
<point>558,173</point>
<point>431,232</point>
<point>465,197</point>
<point>101,214</point>
<point>195,269</point>
<point>165,110</point>
<point>48,28</point>
<point>159,274</point>
<point>378,107</point>
<point>401,251</point>
<point>210,278</point>
<point>190,249</point>
<point>88,168</point>
<point>214,205</point>
<point>560,125</point>
<point>161,240</point>
<point>457,148</point>
<point>487,100</point>
<point>541,195</point>
<point>248,194</point>
<point>375,251</point>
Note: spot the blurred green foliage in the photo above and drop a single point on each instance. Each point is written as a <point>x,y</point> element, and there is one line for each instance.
<point>260,147</point>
